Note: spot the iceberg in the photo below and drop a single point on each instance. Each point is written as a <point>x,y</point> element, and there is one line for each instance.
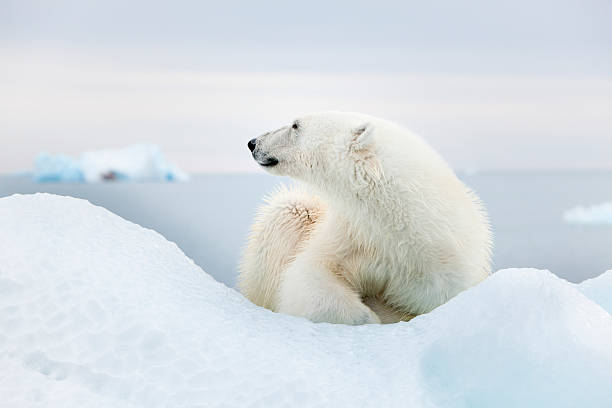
<point>599,214</point>
<point>57,168</point>
<point>98,311</point>
<point>135,163</point>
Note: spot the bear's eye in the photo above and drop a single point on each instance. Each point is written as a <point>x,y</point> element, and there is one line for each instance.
<point>294,126</point>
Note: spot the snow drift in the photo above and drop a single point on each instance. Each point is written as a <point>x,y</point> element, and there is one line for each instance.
<point>599,214</point>
<point>98,311</point>
<point>135,163</point>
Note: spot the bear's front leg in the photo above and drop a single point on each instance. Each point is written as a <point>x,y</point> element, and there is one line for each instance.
<point>312,291</point>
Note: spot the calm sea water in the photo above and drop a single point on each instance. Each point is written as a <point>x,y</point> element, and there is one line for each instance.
<point>209,216</point>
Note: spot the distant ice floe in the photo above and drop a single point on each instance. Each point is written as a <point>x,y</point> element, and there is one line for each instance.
<point>599,214</point>
<point>134,163</point>
<point>97,311</point>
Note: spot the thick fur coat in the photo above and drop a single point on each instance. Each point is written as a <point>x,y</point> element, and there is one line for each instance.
<point>380,229</point>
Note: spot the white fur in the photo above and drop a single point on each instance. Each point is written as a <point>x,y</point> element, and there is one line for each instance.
<point>381,231</point>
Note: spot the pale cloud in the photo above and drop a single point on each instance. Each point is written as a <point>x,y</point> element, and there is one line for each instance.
<point>203,119</point>
<point>493,85</point>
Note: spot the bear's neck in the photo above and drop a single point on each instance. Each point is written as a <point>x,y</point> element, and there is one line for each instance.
<point>380,206</point>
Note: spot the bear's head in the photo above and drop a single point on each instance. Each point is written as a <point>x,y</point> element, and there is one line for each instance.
<point>322,149</point>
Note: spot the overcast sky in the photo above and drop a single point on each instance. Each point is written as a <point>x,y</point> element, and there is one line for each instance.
<point>492,85</point>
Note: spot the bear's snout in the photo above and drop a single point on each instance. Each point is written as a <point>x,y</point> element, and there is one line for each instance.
<point>252,144</point>
<point>260,157</point>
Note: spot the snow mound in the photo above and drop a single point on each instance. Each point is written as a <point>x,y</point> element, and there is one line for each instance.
<point>98,311</point>
<point>599,214</point>
<point>599,289</point>
<point>137,163</point>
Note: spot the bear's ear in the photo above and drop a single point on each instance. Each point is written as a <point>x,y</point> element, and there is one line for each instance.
<point>361,138</point>
<point>367,167</point>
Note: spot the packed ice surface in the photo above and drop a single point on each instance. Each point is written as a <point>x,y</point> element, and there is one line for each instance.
<point>97,311</point>
<point>599,289</point>
<point>592,215</point>
<point>138,163</point>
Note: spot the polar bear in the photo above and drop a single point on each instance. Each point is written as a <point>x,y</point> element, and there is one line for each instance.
<point>380,230</point>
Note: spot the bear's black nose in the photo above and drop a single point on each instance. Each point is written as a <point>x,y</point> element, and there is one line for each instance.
<point>251,144</point>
